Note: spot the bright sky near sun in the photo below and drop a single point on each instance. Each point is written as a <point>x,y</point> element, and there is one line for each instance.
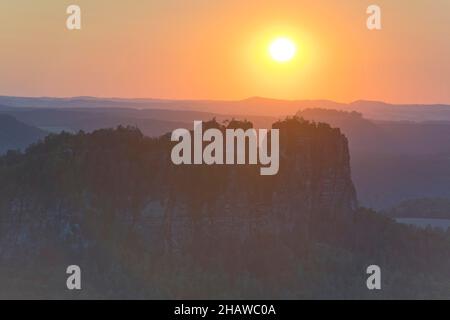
<point>282,49</point>
<point>204,49</point>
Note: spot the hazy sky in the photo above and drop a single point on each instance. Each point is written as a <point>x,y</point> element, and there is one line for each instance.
<point>217,49</point>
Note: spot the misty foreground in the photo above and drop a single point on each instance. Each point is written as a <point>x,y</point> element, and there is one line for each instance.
<point>139,227</point>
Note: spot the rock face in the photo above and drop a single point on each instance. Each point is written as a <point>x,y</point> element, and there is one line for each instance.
<point>312,189</point>
<point>113,202</point>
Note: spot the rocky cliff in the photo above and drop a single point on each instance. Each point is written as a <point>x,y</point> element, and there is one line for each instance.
<point>113,202</point>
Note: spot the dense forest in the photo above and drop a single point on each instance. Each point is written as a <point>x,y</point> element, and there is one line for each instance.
<point>112,202</point>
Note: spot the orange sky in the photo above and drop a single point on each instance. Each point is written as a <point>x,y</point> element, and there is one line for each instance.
<point>203,49</point>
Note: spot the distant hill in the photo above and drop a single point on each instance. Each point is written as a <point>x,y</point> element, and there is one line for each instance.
<point>17,135</point>
<point>255,106</point>
<point>152,122</point>
<point>73,120</point>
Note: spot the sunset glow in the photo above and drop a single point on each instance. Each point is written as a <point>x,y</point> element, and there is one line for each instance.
<point>179,50</point>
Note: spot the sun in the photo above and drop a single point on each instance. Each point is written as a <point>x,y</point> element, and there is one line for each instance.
<point>282,49</point>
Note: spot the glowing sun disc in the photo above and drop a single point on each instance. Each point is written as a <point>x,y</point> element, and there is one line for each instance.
<point>282,50</point>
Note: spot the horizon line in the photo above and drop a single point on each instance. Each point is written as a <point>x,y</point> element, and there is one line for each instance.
<point>223,100</point>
